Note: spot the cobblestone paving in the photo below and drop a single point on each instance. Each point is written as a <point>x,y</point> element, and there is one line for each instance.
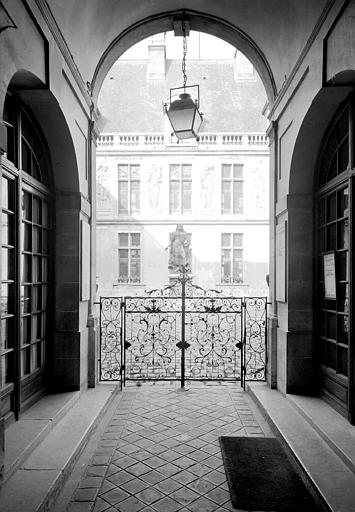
<point>160,451</point>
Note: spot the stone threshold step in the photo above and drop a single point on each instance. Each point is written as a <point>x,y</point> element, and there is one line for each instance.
<point>23,436</point>
<point>300,423</point>
<point>39,477</point>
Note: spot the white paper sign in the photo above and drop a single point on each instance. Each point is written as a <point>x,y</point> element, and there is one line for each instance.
<point>329,275</point>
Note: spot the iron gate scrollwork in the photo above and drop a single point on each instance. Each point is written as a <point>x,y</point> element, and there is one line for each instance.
<point>183,333</point>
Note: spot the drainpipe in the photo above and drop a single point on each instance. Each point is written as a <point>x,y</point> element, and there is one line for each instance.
<point>272,318</point>
<point>92,135</point>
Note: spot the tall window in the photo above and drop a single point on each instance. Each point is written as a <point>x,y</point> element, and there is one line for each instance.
<point>129,258</point>
<point>26,262</point>
<point>232,258</point>
<point>232,188</point>
<point>333,240</point>
<point>128,189</point>
<point>180,188</point>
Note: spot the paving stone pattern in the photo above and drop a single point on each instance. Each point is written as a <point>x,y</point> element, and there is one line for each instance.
<point>160,451</point>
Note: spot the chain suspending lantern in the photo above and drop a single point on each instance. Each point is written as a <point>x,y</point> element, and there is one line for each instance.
<point>182,110</point>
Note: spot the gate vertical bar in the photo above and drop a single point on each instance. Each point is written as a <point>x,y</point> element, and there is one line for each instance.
<point>183,290</point>
<point>122,336</point>
<point>244,342</point>
<point>100,344</point>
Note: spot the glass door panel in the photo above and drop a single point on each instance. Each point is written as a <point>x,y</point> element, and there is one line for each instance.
<point>8,295</point>
<point>34,286</point>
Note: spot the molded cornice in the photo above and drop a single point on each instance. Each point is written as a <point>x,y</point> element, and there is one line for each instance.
<point>51,23</point>
<point>288,82</point>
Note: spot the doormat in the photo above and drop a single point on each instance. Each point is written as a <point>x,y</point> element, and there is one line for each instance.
<point>260,476</point>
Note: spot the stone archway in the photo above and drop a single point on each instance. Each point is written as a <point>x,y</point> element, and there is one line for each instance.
<point>199,22</point>
<point>64,361</point>
<point>298,354</point>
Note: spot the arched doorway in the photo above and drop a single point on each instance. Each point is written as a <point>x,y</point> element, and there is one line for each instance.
<point>333,257</point>
<point>27,226</point>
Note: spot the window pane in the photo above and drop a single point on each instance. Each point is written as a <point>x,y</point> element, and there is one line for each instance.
<point>226,239</point>
<point>174,172</point>
<point>135,239</point>
<point>342,361</point>
<point>26,158</point>
<point>135,196</point>
<point>331,349</point>
<point>226,266</point>
<point>226,171</point>
<point>37,298</point>
<point>26,330</point>
<point>134,172</point>
<point>123,265</point>
<point>226,197</point>
<point>186,171</point>
<point>7,362</point>
<point>26,237</point>
<point>331,326</point>
<point>237,266</point>
<point>36,269</point>
<point>174,196</point>
<point>331,207</point>
<point>331,237</point>
<point>123,197</point>
<point>343,234</point>
<point>238,197</point>
<point>238,239</point>
<point>135,266</point>
<point>44,269</point>
<point>36,239</point>
<point>238,171</point>
<point>123,172</point>
<point>26,268</point>
<point>6,302</point>
<point>25,299</point>
<point>37,210</point>
<point>123,239</point>
<point>7,337</point>
<point>44,241</point>
<point>25,361</point>
<point>5,270</point>
<point>7,229</point>
<point>186,196</point>
<point>5,193</point>
<point>343,156</point>
<point>27,206</point>
<point>45,214</point>
<point>343,202</point>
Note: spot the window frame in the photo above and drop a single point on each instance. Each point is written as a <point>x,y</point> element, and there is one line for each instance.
<point>129,247</point>
<point>129,180</point>
<point>181,181</point>
<point>234,182</point>
<point>232,248</point>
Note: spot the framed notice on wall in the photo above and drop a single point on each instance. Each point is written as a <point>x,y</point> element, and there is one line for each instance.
<point>85,261</point>
<point>329,276</point>
<point>281,261</point>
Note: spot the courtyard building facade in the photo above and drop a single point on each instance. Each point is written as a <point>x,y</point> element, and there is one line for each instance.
<point>148,182</point>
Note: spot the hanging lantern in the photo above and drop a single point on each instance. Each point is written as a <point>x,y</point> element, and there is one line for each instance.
<point>182,110</point>
<point>183,113</point>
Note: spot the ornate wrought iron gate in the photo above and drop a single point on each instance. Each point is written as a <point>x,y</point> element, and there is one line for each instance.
<point>182,333</point>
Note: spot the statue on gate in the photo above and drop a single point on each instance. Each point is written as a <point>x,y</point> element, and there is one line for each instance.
<point>179,249</point>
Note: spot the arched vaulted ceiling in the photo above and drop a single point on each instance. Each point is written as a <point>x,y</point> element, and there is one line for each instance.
<point>272,34</point>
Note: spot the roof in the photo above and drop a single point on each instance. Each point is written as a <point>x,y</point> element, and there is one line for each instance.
<point>130,102</point>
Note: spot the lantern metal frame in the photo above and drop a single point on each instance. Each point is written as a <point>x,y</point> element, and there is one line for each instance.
<point>184,102</point>
<point>196,117</point>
